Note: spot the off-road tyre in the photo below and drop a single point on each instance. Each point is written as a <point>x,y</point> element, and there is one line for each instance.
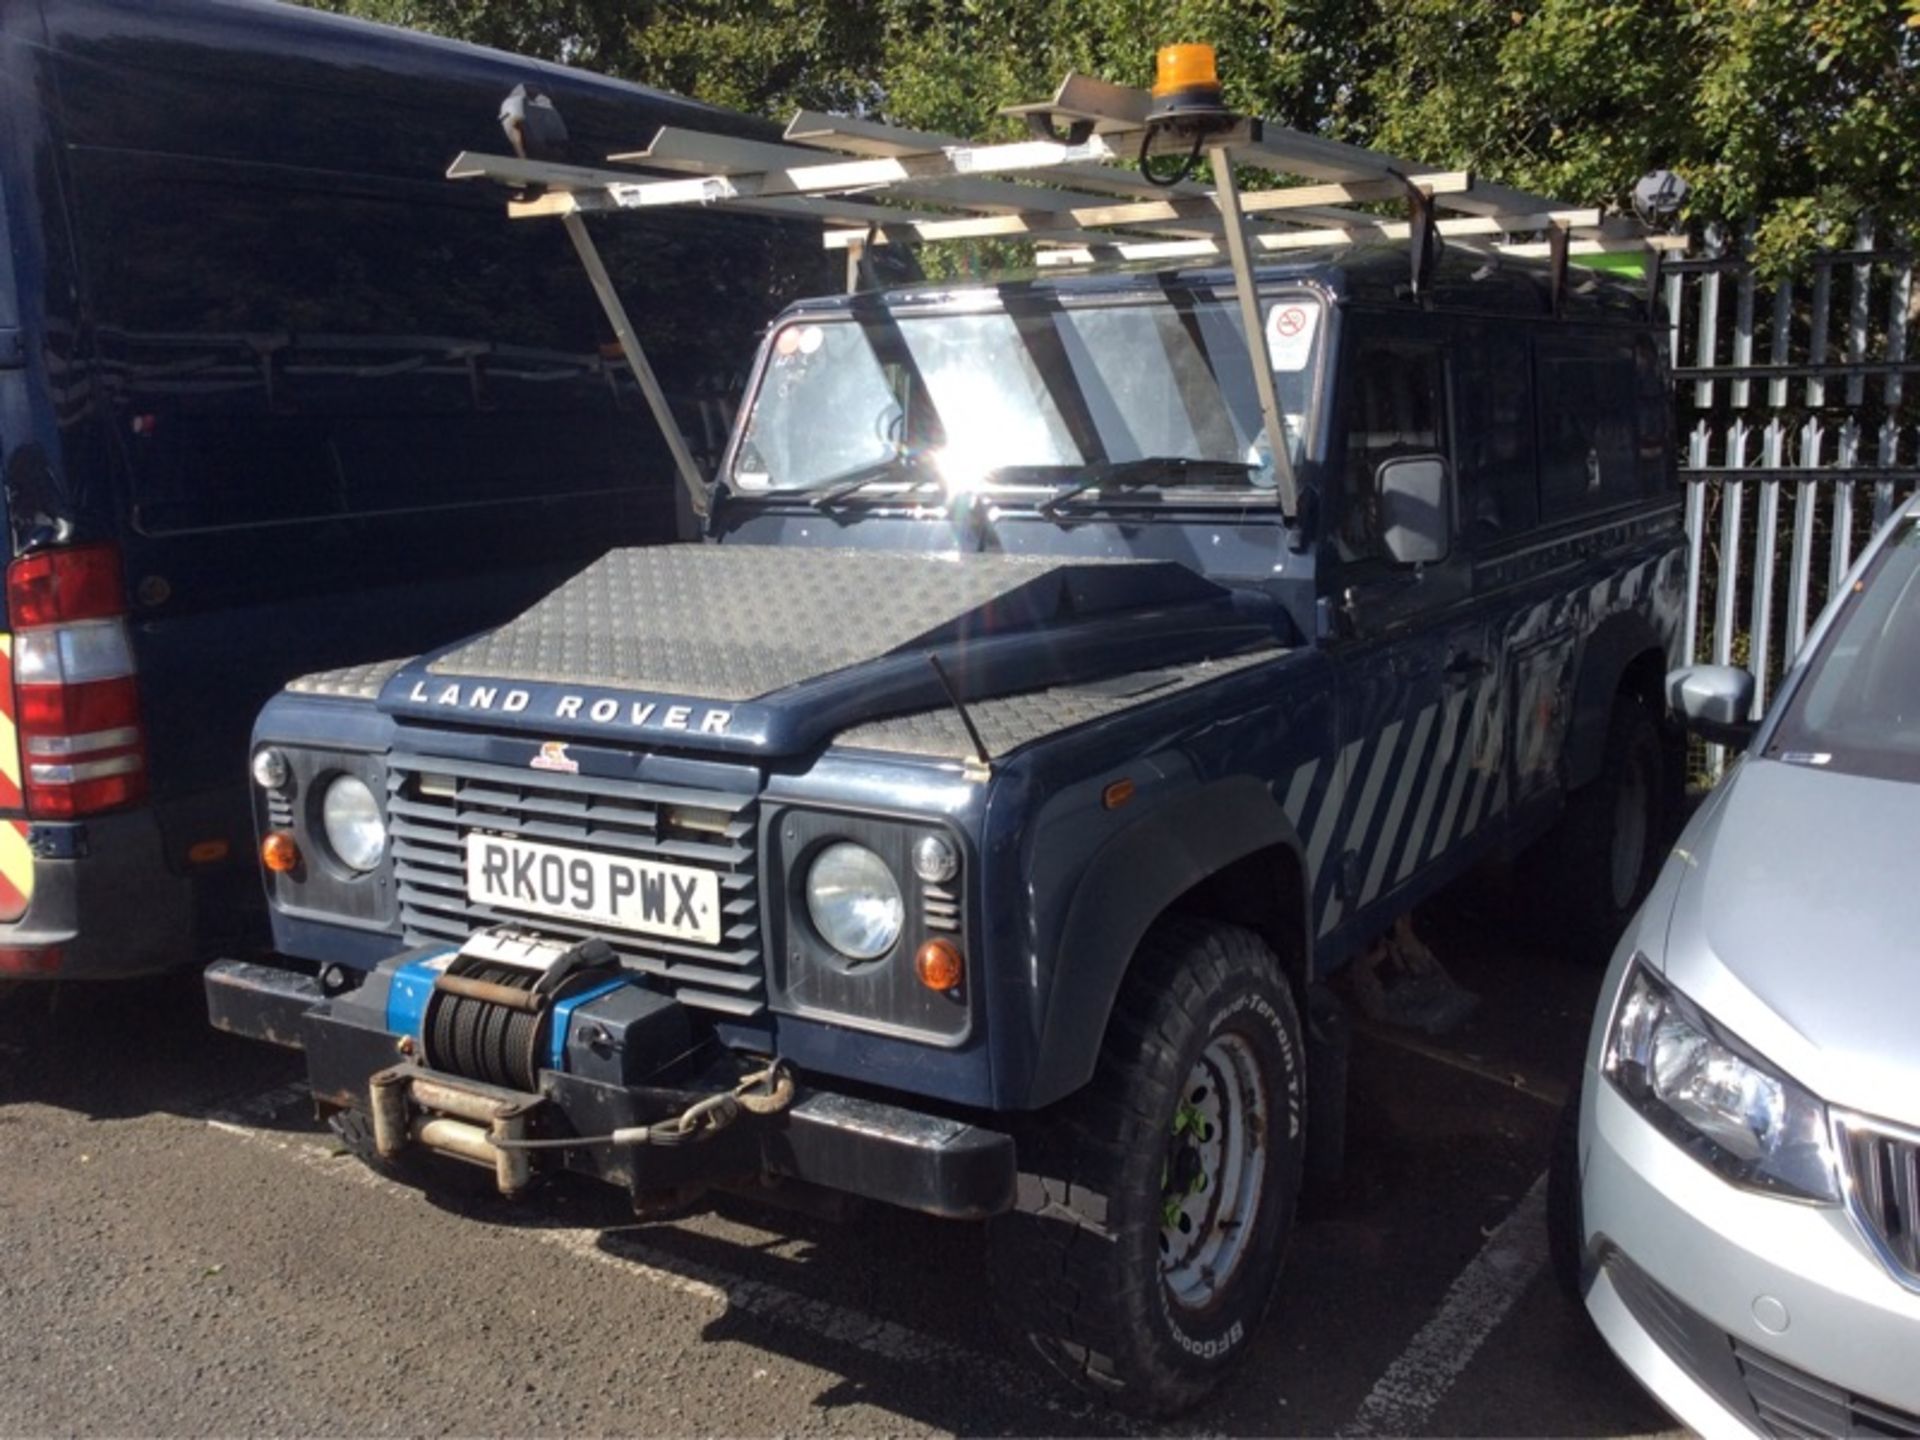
<point>1592,887</point>
<point>1077,1270</point>
<point>1565,1228</point>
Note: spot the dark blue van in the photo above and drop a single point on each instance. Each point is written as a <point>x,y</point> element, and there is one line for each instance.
<point>275,397</point>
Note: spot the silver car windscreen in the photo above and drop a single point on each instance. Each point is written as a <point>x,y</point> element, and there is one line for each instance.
<point>1858,710</point>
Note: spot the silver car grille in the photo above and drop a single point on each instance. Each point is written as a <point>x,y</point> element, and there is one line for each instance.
<point>430,825</point>
<point>1882,1162</point>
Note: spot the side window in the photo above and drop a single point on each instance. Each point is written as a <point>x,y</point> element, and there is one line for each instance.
<point>1396,405</point>
<point>1498,450</point>
<point>1588,419</point>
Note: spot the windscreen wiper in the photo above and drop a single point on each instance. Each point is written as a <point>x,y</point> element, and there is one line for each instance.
<point>894,467</point>
<point>838,487</point>
<point>1147,472</point>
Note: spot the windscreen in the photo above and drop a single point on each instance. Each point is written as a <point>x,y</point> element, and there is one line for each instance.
<point>1859,708</point>
<point>1026,394</point>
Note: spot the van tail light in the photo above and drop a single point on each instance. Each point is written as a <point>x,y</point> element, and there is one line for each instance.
<point>76,700</point>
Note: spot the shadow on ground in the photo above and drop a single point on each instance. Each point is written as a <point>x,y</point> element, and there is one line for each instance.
<point>1442,1147</point>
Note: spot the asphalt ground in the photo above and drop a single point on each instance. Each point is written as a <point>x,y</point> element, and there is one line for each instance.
<point>184,1250</point>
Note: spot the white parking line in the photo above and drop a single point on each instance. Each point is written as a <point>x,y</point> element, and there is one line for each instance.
<point>883,1339</point>
<point>1405,1396</point>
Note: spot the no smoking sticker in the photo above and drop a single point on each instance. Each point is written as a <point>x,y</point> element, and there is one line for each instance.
<point>1290,330</point>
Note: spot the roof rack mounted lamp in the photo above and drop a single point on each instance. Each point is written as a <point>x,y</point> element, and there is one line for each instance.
<point>1187,105</point>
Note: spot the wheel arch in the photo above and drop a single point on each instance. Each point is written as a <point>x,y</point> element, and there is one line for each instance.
<point>1223,850</point>
<point>1624,656</point>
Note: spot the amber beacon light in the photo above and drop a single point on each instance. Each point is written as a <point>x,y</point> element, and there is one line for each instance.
<point>1186,110</point>
<point>1184,77</point>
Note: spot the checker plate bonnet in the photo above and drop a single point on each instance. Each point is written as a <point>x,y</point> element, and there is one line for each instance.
<point>734,622</point>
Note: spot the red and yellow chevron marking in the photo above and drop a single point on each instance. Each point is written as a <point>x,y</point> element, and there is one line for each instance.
<point>16,858</point>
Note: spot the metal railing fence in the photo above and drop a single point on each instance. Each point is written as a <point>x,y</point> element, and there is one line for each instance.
<point>1799,431</point>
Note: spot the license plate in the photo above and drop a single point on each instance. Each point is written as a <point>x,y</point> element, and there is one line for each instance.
<point>616,891</point>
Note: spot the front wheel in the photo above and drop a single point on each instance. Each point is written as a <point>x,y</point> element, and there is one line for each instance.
<point>1156,1204</point>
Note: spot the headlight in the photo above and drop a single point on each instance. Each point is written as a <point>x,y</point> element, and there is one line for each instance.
<point>351,819</point>
<point>855,901</point>
<point>1714,1097</point>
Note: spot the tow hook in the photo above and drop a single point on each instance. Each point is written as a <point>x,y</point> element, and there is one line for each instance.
<point>488,1126</point>
<point>470,1122</point>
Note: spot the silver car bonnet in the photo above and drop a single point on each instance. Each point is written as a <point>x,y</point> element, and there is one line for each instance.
<point>1797,926</point>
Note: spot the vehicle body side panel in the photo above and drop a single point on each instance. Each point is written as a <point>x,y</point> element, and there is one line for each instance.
<point>1207,792</point>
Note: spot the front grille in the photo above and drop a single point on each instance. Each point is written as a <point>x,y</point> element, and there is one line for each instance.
<point>1792,1403</point>
<point>429,833</point>
<point>1770,1394</point>
<point>1883,1189</point>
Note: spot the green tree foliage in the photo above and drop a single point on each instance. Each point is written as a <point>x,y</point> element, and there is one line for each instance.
<point>1796,114</point>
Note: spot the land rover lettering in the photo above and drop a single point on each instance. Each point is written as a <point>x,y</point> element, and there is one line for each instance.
<point>597,710</point>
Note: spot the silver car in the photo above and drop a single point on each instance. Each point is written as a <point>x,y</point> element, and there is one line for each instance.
<point>1740,1204</point>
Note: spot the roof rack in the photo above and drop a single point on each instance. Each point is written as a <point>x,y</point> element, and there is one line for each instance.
<point>1072,190</point>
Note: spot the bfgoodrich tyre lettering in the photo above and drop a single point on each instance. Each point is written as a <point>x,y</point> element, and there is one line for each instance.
<point>1155,1205</point>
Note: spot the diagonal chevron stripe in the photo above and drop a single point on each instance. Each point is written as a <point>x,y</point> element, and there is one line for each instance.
<point>9,735</point>
<point>1463,768</point>
<point>1443,752</point>
<point>1296,802</point>
<point>1390,827</point>
<point>16,868</point>
<point>1356,832</point>
<point>1483,784</point>
<point>9,750</point>
<point>1331,804</point>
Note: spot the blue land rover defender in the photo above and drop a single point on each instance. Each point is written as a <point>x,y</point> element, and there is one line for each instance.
<point>972,821</point>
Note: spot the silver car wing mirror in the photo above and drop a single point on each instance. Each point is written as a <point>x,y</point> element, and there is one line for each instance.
<point>1715,702</point>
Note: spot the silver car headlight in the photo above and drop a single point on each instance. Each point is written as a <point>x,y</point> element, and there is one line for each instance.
<point>350,816</point>
<point>1714,1097</point>
<point>855,901</point>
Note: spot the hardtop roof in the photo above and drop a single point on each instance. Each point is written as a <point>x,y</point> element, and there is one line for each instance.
<point>1372,275</point>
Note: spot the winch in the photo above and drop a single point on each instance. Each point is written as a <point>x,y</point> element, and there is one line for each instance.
<point>503,1035</point>
<point>492,1011</point>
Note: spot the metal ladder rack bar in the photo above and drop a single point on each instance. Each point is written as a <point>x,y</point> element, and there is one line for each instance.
<point>1071,192</point>
<point>1151,214</point>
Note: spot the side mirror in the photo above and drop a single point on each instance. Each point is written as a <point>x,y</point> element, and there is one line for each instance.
<point>1416,508</point>
<point>1715,702</point>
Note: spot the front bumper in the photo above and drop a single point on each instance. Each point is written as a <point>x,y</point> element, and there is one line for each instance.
<point>1740,1312</point>
<point>851,1144</point>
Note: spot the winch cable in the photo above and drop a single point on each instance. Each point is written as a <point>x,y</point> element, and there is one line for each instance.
<point>483,1040</point>
<point>766,1091</point>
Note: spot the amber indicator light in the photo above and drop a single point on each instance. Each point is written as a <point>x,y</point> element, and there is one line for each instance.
<point>1117,794</point>
<point>278,852</point>
<point>939,965</point>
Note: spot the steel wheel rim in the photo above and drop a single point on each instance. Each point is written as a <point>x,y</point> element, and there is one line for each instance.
<point>1630,826</point>
<point>1213,1177</point>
